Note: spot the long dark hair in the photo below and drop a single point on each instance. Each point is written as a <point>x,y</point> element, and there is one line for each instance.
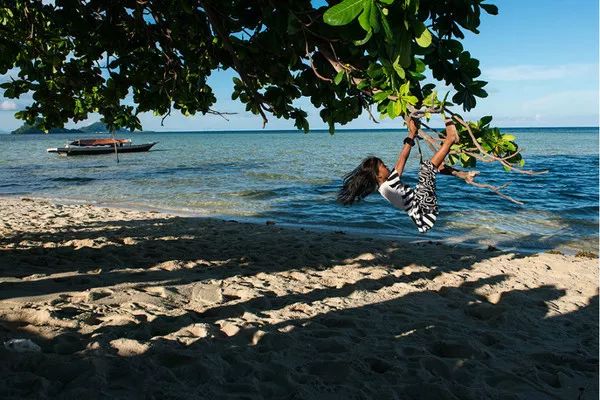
<point>361,182</point>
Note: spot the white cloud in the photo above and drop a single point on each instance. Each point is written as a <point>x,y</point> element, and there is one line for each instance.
<point>8,105</point>
<point>540,72</point>
<point>569,102</point>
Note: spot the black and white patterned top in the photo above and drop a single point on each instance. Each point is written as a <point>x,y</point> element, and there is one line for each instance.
<point>420,203</point>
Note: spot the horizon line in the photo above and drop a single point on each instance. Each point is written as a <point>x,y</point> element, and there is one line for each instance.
<point>299,130</point>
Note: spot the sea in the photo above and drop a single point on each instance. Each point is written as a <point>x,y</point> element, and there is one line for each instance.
<point>291,179</point>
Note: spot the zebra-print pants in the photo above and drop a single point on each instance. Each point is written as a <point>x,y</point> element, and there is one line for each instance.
<point>421,202</point>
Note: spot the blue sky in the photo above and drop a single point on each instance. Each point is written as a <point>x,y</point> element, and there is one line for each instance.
<point>540,58</point>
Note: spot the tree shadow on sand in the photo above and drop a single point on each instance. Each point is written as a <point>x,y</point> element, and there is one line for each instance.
<point>175,251</point>
<point>449,343</point>
<point>445,344</point>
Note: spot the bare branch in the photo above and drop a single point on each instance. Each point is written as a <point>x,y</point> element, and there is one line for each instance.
<point>497,190</point>
<point>221,114</point>
<point>312,64</point>
<point>431,142</point>
<point>162,120</point>
<point>469,176</point>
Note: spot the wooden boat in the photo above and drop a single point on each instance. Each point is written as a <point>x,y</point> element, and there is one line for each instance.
<point>100,146</point>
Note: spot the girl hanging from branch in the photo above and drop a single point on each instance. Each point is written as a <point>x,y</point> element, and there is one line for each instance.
<point>421,202</point>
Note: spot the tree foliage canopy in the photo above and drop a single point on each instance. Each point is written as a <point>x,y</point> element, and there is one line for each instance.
<point>83,56</point>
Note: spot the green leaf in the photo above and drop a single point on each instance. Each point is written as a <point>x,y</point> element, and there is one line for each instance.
<point>398,107</point>
<point>374,18</point>
<point>404,50</point>
<point>423,36</point>
<point>508,138</point>
<point>490,8</point>
<point>399,70</point>
<point>381,96</point>
<point>391,109</point>
<point>431,99</point>
<point>338,78</point>
<point>387,29</point>
<point>484,121</point>
<point>343,13</point>
<point>419,65</point>
<point>386,2</point>
<point>413,100</point>
<point>365,16</point>
<point>369,20</point>
<point>364,40</point>
<point>404,88</point>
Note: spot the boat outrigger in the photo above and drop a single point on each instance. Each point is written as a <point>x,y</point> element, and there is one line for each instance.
<point>100,146</point>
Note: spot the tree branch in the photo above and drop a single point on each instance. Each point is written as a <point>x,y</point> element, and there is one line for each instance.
<point>476,143</point>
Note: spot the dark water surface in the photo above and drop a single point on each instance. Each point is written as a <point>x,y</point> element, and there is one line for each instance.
<point>292,178</point>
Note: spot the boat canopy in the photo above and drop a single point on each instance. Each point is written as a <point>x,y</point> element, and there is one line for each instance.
<point>98,142</point>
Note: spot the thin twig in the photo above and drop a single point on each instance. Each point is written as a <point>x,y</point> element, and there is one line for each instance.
<point>312,64</point>
<point>221,114</point>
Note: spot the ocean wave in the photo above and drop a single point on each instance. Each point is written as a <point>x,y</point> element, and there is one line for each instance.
<point>255,194</point>
<point>78,179</point>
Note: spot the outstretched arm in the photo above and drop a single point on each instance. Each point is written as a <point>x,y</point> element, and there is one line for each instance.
<point>413,128</point>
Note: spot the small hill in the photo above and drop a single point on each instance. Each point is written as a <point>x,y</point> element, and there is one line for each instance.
<point>28,129</point>
<point>96,127</point>
<point>99,127</point>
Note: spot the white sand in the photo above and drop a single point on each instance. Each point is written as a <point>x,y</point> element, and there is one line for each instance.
<point>128,304</point>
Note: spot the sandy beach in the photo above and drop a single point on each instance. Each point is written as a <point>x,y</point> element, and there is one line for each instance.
<point>125,304</point>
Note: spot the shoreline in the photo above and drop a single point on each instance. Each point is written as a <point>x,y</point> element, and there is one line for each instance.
<point>465,242</point>
<point>323,130</point>
<point>126,304</point>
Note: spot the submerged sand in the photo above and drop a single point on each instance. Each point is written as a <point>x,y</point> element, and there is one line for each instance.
<point>129,304</point>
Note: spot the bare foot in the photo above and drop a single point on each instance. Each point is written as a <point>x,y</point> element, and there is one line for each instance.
<point>451,132</point>
<point>468,176</point>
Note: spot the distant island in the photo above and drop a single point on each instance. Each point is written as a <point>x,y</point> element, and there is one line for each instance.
<point>96,127</point>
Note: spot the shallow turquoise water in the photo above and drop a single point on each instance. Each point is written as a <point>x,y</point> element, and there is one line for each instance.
<point>292,178</point>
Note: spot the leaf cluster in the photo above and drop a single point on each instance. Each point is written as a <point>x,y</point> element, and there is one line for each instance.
<point>123,58</point>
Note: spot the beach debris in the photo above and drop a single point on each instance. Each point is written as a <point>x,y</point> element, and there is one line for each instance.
<point>492,248</point>
<point>586,254</point>
<point>22,346</point>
